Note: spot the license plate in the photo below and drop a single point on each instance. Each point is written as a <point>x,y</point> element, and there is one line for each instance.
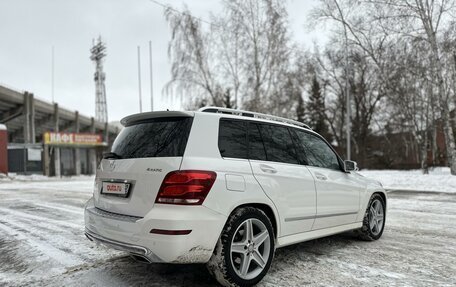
<point>115,188</point>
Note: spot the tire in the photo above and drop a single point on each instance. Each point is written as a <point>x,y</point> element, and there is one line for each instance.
<point>235,249</point>
<point>374,219</point>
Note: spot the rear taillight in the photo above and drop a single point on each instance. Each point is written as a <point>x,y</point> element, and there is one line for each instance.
<point>186,187</point>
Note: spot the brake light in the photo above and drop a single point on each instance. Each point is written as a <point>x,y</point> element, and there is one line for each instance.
<point>186,187</point>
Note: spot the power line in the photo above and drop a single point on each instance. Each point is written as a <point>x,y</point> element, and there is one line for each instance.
<point>165,6</point>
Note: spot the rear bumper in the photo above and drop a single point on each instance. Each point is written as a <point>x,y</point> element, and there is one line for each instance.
<point>130,248</point>
<point>132,234</point>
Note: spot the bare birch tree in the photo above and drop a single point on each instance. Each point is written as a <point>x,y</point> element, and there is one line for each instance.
<point>425,20</point>
<point>372,25</point>
<point>192,69</point>
<point>242,60</point>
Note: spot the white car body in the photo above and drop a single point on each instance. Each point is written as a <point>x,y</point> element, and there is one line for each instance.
<point>303,202</point>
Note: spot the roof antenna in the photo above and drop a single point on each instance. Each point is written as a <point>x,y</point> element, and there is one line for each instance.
<point>167,110</point>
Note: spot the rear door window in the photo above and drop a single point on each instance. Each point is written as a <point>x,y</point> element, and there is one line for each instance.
<point>163,137</point>
<point>232,140</point>
<point>278,143</point>
<point>256,146</point>
<point>318,152</point>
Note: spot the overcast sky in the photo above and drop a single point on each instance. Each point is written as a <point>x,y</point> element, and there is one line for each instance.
<point>29,29</point>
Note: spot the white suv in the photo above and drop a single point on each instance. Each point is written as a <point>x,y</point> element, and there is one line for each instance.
<point>225,187</point>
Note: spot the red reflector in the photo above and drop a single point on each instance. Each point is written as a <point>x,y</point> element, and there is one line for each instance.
<point>170,232</point>
<point>186,187</point>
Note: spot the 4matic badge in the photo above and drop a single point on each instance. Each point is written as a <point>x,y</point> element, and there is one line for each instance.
<point>154,169</point>
<point>112,164</point>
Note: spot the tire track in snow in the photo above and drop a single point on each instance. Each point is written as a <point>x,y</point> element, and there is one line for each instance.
<point>62,207</point>
<point>18,214</point>
<point>63,258</point>
<point>72,245</point>
<point>68,240</point>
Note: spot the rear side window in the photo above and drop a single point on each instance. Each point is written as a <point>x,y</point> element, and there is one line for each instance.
<point>163,137</point>
<point>232,139</point>
<point>278,143</point>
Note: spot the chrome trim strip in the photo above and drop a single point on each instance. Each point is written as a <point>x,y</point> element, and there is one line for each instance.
<point>299,218</point>
<point>319,216</point>
<point>112,215</point>
<point>130,248</point>
<point>336,214</point>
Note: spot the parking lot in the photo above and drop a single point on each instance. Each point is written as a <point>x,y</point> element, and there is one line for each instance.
<point>42,243</point>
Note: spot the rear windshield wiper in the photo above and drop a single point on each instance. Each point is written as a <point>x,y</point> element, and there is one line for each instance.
<point>111,155</point>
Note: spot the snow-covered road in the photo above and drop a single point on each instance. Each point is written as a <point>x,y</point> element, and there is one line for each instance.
<point>42,244</point>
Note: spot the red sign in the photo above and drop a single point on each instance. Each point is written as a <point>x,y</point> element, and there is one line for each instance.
<point>3,150</point>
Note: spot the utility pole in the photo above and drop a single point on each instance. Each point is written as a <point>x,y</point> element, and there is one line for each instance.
<point>139,80</point>
<point>347,83</point>
<point>347,93</point>
<point>151,78</point>
<point>52,73</point>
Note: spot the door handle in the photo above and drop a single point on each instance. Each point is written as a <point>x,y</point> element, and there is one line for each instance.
<point>267,168</point>
<point>320,176</point>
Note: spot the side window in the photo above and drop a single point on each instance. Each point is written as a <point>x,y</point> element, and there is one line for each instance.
<point>300,152</point>
<point>318,153</point>
<point>232,141</point>
<point>256,146</point>
<point>278,143</point>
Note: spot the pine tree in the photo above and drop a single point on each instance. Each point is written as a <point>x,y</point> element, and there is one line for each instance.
<point>316,110</point>
<point>300,110</point>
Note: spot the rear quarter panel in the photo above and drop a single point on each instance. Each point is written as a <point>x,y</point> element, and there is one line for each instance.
<point>235,184</point>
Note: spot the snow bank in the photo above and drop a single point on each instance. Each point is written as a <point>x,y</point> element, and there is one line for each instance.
<point>38,177</point>
<point>438,180</point>
<point>83,183</point>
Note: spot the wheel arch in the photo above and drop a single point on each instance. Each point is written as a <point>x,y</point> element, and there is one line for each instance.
<point>383,195</point>
<point>268,210</point>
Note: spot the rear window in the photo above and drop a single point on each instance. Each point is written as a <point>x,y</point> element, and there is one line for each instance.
<point>163,137</point>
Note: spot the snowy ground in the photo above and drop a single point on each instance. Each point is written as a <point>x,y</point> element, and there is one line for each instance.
<point>439,179</point>
<point>42,244</point>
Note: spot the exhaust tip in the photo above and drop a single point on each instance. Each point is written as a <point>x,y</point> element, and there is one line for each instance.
<point>88,237</point>
<point>140,258</point>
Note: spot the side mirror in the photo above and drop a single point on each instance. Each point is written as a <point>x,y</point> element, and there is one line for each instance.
<point>351,165</point>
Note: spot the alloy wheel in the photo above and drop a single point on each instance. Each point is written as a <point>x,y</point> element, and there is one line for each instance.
<point>250,248</point>
<point>376,217</point>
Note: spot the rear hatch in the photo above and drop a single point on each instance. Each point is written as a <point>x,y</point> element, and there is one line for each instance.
<point>148,147</point>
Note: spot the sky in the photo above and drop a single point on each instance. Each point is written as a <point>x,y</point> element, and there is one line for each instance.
<point>30,28</point>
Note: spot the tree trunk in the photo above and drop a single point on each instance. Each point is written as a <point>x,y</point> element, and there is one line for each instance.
<point>444,103</point>
<point>424,158</point>
<point>434,143</point>
<point>449,140</point>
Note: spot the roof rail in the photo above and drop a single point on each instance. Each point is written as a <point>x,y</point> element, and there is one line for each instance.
<point>236,112</point>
